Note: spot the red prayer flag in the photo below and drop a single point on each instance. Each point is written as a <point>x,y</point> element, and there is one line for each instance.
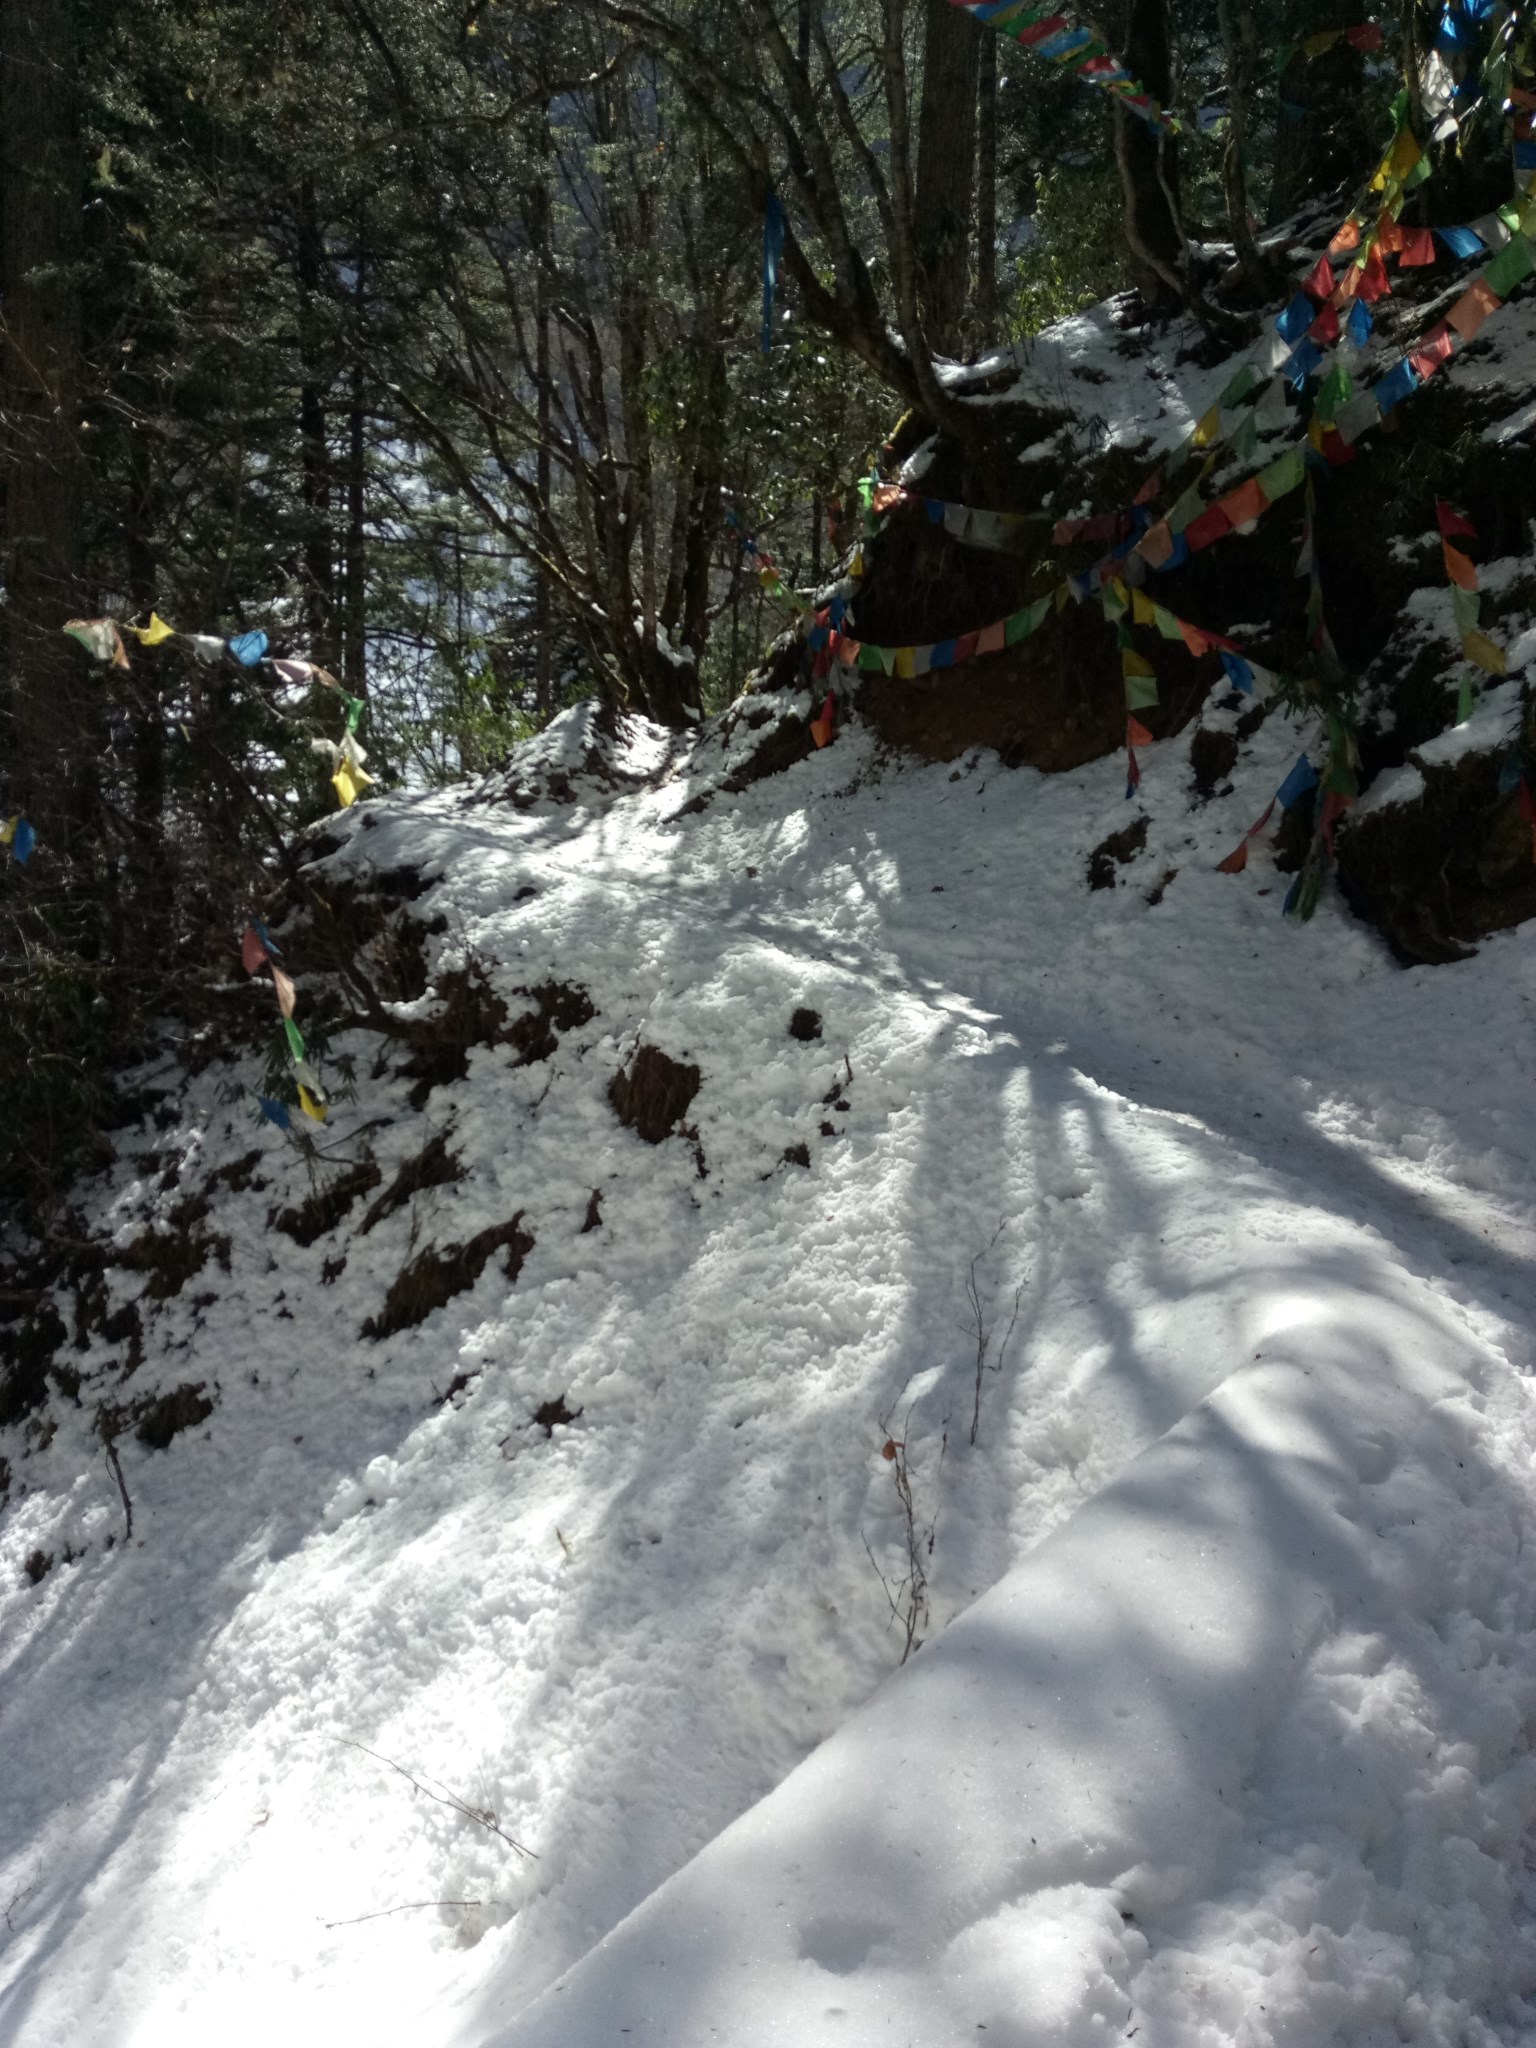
<point>1451,522</point>
<point>252,952</point>
<point>1374,282</point>
<point>1418,249</point>
<point>1149,489</point>
<point>965,647</point>
<point>1437,347</point>
<point>1235,861</point>
<point>1210,526</point>
<point>1325,328</point>
<point>1319,281</point>
<point>1136,734</point>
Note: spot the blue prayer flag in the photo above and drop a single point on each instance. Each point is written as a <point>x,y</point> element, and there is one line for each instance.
<point>1400,382</point>
<point>1301,778</point>
<point>1297,318</point>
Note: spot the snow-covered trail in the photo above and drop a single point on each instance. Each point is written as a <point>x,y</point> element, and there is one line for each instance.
<point>1267,1211</point>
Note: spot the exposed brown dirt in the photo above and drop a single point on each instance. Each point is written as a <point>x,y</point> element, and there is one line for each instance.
<point>557,1006</point>
<point>434,1277</point>
<point>163,1418</point>
<point>1119,849</point>
<point>172,1256</point>
<point>652,1096</point>
<point>325,1208</point>
<point>1438,874</point>
<point>434,1166</point>
<point>805,1025</point>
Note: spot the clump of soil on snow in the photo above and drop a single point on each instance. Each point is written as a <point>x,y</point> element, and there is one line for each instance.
<point>651,1097</point>
<point>434,1277</point>
<point>805,1025</point>
<point>550,1415</point>
<point>558,1006</point>
<point>1120,848</point>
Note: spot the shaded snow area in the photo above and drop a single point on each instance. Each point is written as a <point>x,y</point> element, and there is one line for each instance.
<point>1220,1727</point>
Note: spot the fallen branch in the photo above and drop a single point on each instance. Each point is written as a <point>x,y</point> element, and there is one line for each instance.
<point>481,1814</point>
<point>416,1906</point>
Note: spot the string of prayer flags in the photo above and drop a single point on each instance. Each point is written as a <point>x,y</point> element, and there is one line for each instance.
<point>961,522</point>
<point>257,950</point>
<point>1366,36</point>
<point>1051,32</point>
<point>1341,789</point>
<point>1302,777</point>
<point>824,727</point>
<point>249,648</point>
<point>768,577</point>
<point>17,834</point>
<point>100,639</point>
<point>1466,603</point>
<point>908,663</point>
<point>348,775</point>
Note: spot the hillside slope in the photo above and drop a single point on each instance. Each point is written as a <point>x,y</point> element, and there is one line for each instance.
<point>595,1547</point>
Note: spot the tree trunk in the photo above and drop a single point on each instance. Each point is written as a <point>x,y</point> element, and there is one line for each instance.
<point>1149,178</point>
<point>946,170</point>
<point>315,482</point>
<point>52,693</point>
<point>1239,44</point>
<point>354,652</point>
<point>1323,138</point>
<point>986,193</point>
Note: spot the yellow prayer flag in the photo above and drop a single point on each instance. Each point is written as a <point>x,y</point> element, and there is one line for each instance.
<point>1143,610</point>
<point>8,830</point>
<point>1208,429</point>
<point>1487,653</point>
<point>156,631</point>
<point>344,785</point>
<point>311,1108</point>
<point>904,667</point>
<point>1134,664</point>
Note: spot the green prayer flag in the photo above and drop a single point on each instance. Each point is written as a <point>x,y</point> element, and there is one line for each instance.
<point>1466,604</point>
<point>354,713</point>
<point>1115,607</point>
<point>1140,691</point>
<point>1019,625</point>
<point>295,1039</point>
<point>1245,381</point>
<point>1245,442</point>
<point>1513,264</point>
<point>1288,474</point>
<point>869,659</point>
<point>1464,701</point>
<point>1337,389</point>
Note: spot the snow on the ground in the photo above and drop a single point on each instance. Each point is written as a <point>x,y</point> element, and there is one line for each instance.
<point>1220,1730</point>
